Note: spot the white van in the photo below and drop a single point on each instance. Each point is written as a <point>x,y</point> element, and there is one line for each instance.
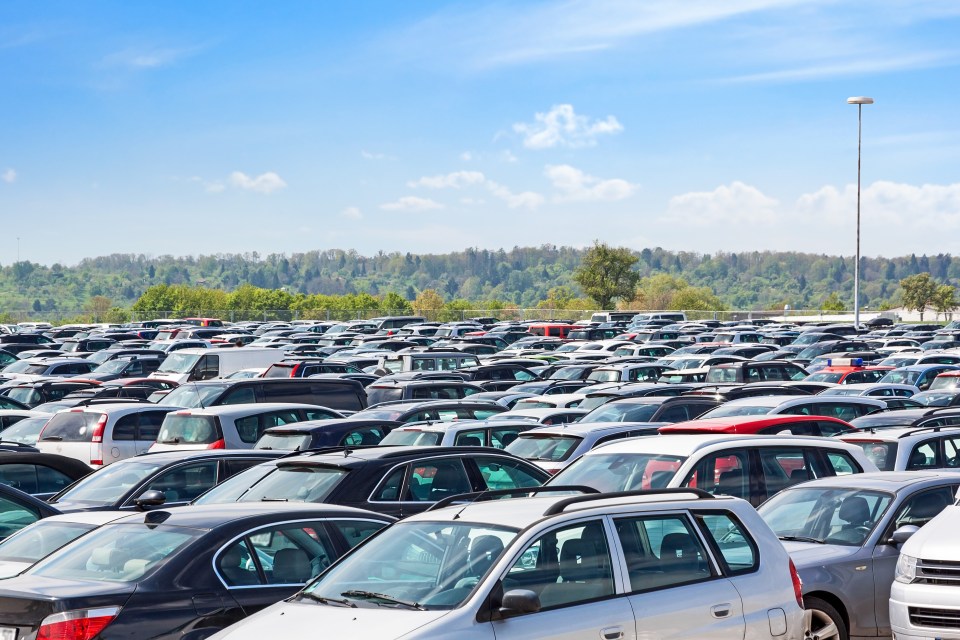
<point>673,316</point>
<point>612,316</point>
<point>190,365</point>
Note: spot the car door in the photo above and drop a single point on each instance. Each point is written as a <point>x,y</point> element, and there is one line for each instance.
<point>183,483</point>
<point>121,443</point>
<point>270,563</point>
<point>571,568</point>
<point>677,590</point>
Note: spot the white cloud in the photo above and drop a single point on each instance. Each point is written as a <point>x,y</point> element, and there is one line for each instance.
<point>466,156</point>
<point>371,155</point>
<point>562,127</point>
<point>264,183</point>
<point>727,204</point>
<point>524,200</point>
<point>411,203</point>
<point>454,180</point>
<point>574,184</point>
<point>9,176</point>
<point>508,157</point>
<point>886,204</point>
<point>352,213</point>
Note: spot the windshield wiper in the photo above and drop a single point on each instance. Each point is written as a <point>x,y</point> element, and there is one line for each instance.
<point>802,539</point>
<point>325,600</point>
<point>266,499</point>
<point>356,593</point>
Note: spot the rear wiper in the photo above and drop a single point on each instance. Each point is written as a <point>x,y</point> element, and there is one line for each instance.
<point>355,593</point>
<point>57,438</point>
<point>325,600</point>
<point>802,539</point>
<point>265,499</point>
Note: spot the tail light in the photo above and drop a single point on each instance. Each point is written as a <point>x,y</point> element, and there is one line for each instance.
<point>98,429</point>
<point>293,372</point>
<point>219,444</point>
<point>797,583</point>
<point>82,624</point>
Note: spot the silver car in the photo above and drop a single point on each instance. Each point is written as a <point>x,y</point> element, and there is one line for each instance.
<point>844,535</point>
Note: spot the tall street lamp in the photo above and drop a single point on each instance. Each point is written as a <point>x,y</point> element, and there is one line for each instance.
<point>859,101</point>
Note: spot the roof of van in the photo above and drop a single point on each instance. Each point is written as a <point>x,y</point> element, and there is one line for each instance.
<point>250,407</point>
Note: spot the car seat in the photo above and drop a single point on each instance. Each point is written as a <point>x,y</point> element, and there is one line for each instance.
<point>470,441</point>
<point>231,570</point>
<point>855,514</point>
<point>730,483</point>
<point>680,558</point>
<point>583,574</point>
<point>924,508</point>
<point>447,482</point>
<point>291,566</point>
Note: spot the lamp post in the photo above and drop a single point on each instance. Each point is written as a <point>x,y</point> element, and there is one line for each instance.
<point>859,101</point>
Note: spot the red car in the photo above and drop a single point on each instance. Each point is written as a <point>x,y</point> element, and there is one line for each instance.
<point>763,424</point>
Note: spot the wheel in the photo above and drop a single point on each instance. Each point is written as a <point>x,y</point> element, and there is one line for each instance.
<point>823,621</point>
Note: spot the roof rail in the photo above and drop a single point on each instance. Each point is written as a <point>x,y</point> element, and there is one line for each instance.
<point>559,507</point>
<point>937,410</point>
<point>479,496</point>
<point>930,429</point>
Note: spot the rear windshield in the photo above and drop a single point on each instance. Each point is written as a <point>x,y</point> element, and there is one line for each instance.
<point>376,395</point>
<point>192,395</point>
<point>26,395</point>
<point>295,483</point>
<point>404,437</point>
<point>25,366</point>
<point>109,484</point>
<point>71,426</point>
<point>882,454</point>
<point>547,448</point>
<point>279,371</point>
<point>117,553</point>
<point>40,540</point>
<point>180,428</point>
<point>25,431</point>
<point>284,441</point>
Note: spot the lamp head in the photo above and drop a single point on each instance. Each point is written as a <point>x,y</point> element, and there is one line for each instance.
<point>859,100</point>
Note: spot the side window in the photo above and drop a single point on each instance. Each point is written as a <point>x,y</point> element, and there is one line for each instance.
<point>829,429</point>
<point>126,427</point>
<point>771,372</point>
<point>782,468</point>
<point>920,509</point>
<point>184,483</point>
<point>841,463</point>
<point>19,476</point>
<point>317,414</point>
<point>662,551</point>
<point>294,553</point>
<point>737,549</point>
<point>726,473</point>
<point>236,566</point>
<point>433,480</point>
<point>50,480</point>
<point>523,376</point>
<point>15,517</point>
<point>356,531</point>
<point>501,437</point>
<point>951,452</point>
<point>390,489</point>
<point>483,414</point>
<point>923,456</point>
<point>751,374</point>
<point>248,428</point>
<point>499,473</point>
<point>424,364</point>
<point>278,418</point>
<point>574,554</point>
<point>795,428</point>
<point>470,439</point>
<point>363,436</point>
<point>240,395</point>
<point>795,373</point>
<point>674,414</point>
<point>149,427</point>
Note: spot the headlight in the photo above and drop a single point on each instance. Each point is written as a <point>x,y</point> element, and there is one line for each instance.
<point>906,569</point>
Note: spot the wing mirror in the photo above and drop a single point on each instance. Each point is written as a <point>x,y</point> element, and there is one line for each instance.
<point>152,498</point>
<point>903,534</point>
<point>519,601</point>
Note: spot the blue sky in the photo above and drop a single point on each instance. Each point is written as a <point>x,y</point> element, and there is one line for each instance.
<point>186,128</point>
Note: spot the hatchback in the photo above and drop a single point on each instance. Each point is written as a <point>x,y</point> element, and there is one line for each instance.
<point>314,434</point>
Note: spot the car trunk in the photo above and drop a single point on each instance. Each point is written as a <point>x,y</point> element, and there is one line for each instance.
<point>76,434</point>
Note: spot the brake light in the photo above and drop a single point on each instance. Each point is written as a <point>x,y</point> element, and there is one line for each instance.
<point>296,367</point>
<point>219,444</point>
<point>98,430</point>
<point>797,583</point>
<point>83,624</point>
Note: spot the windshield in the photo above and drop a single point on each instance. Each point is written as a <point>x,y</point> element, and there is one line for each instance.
<point>284,441</point>
<point>567,373</point>
<point>40,540</point>
<point>235,486</point>
<point>71,426</point>
<point>824,514</point>
<point>687,363</point>
<point>25,366</point>
<point>604,375</point>
<point>592,402</point>
<point>26,395</point>
<point>109,484</point>
<point>545,448</point>
<point>118,553</point>
<point>193,395</point>
<point>824,377</point>
<point>944,382</point>
<point>737,410</point>
<point>378,414</point>
<point>112,366</point>
<point>186,428</point>
<point>179,363</point>
<point>288,483</point>
<point>620,471</point>
<point>416,565</point>
<point>404,437</point>
<point>926,398</point>
<point>100,356</point>
<point>901,376</point>
<point>25,431</point>
<point>622,412</point>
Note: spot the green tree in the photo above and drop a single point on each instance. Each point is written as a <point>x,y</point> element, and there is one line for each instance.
<point>606,273</point>
<point>945,299</point>
<point>919,291</point>
<point>832,303</point>
<point>428,304</point>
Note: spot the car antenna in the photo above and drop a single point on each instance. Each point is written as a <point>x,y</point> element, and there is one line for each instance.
<point>456,516</point>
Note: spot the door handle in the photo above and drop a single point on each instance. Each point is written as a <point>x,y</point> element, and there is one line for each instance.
<point>720,610</point>
<point>611,633</point>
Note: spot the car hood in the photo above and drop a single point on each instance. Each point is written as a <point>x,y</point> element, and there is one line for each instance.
<point>810,554</point>
<point>289,619</point>
<point>10,568</point>
<point>936,540</point>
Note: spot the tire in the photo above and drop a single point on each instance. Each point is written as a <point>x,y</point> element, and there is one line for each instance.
<point>826,623</point>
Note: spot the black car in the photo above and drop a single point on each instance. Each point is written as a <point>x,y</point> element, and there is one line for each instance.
<point>314,434</point>
<point>40,474</point>
<point>431,410</point>
<point>651,409</point>
<point>393,390</point>
<point>398,481</point>
<point>31,394</point>
<point>306,367</point>
<point>18,509</point>
<point>129,366</point>
<point>335,393</point>
<point>153,479</point>
<point>497,377</point>
<point>183,573</point>
<point>550,387</point>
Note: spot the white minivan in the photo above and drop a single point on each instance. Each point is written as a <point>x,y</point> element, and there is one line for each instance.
<point>190,365</point>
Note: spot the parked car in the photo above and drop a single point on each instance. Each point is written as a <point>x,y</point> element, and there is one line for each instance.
<point>823,426</point>
<point>235,426</point>
<point>102,434</point>
<point>554,447</point>
<point>910,448</point>
<point>845,408</point>
<point>124,367</point>
<point>750,467</point>
<point>651,409</point>
<point>462,433</point>
<point>586,566</point>
<point>32,394</point>
<point>750,371</point>
<point>334,393</point>
<point>844,535</point>
<point>315,434</point>
<point>431,410</point>
<point>189,568</point>
<point>398,481</point>
<point>390,391</point>
<point>39,474</point>
<point>151,480</point>
<point>919,375</point>
<point>25,432</point>
<point>19,509</point>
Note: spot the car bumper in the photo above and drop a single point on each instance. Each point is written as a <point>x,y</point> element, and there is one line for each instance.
<point>936,599</point>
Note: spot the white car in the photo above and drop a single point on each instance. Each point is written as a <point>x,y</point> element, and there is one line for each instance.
<point>553,448</point>
<point>681,565</point>
<point>923,598</point>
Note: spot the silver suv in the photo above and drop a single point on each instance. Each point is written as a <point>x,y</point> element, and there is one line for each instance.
<point>678,564</point>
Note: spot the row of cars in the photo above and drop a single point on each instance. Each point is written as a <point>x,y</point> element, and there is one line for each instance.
<point>672,540</point>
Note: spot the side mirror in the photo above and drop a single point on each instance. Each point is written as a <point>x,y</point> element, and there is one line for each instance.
<point>519,601</point>
<point>903,534</point>
<point>152,498</point>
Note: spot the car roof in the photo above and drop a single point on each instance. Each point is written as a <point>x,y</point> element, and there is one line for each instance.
<point>211,516</point>
<point>767,419</point>
<point>897,433</point>
<point>245,408</point>
<point>539,412</point>
<point>88,517</point>
<point>347,456</point>
<point>686,445</point>
<point>881,480</point>
<point>587,428</point>
<point>169,457</point>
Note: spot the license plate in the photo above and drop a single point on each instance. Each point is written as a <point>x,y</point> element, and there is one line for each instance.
<point>8,633</point>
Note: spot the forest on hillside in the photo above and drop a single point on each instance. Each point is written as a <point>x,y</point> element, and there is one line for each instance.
<point>522,276</point>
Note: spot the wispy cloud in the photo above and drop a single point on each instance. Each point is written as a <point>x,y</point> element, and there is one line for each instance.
<point>575,185</point>
<point>733,203</point>
<point>454,180</point>
<point>265,183</point>
<point>9,176</point>
<point>562,127</point>
<point>857,67</point>
<point>464,179</point>
<point>352,213</point>
<point>371,155</point>
<point>411,203</point>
